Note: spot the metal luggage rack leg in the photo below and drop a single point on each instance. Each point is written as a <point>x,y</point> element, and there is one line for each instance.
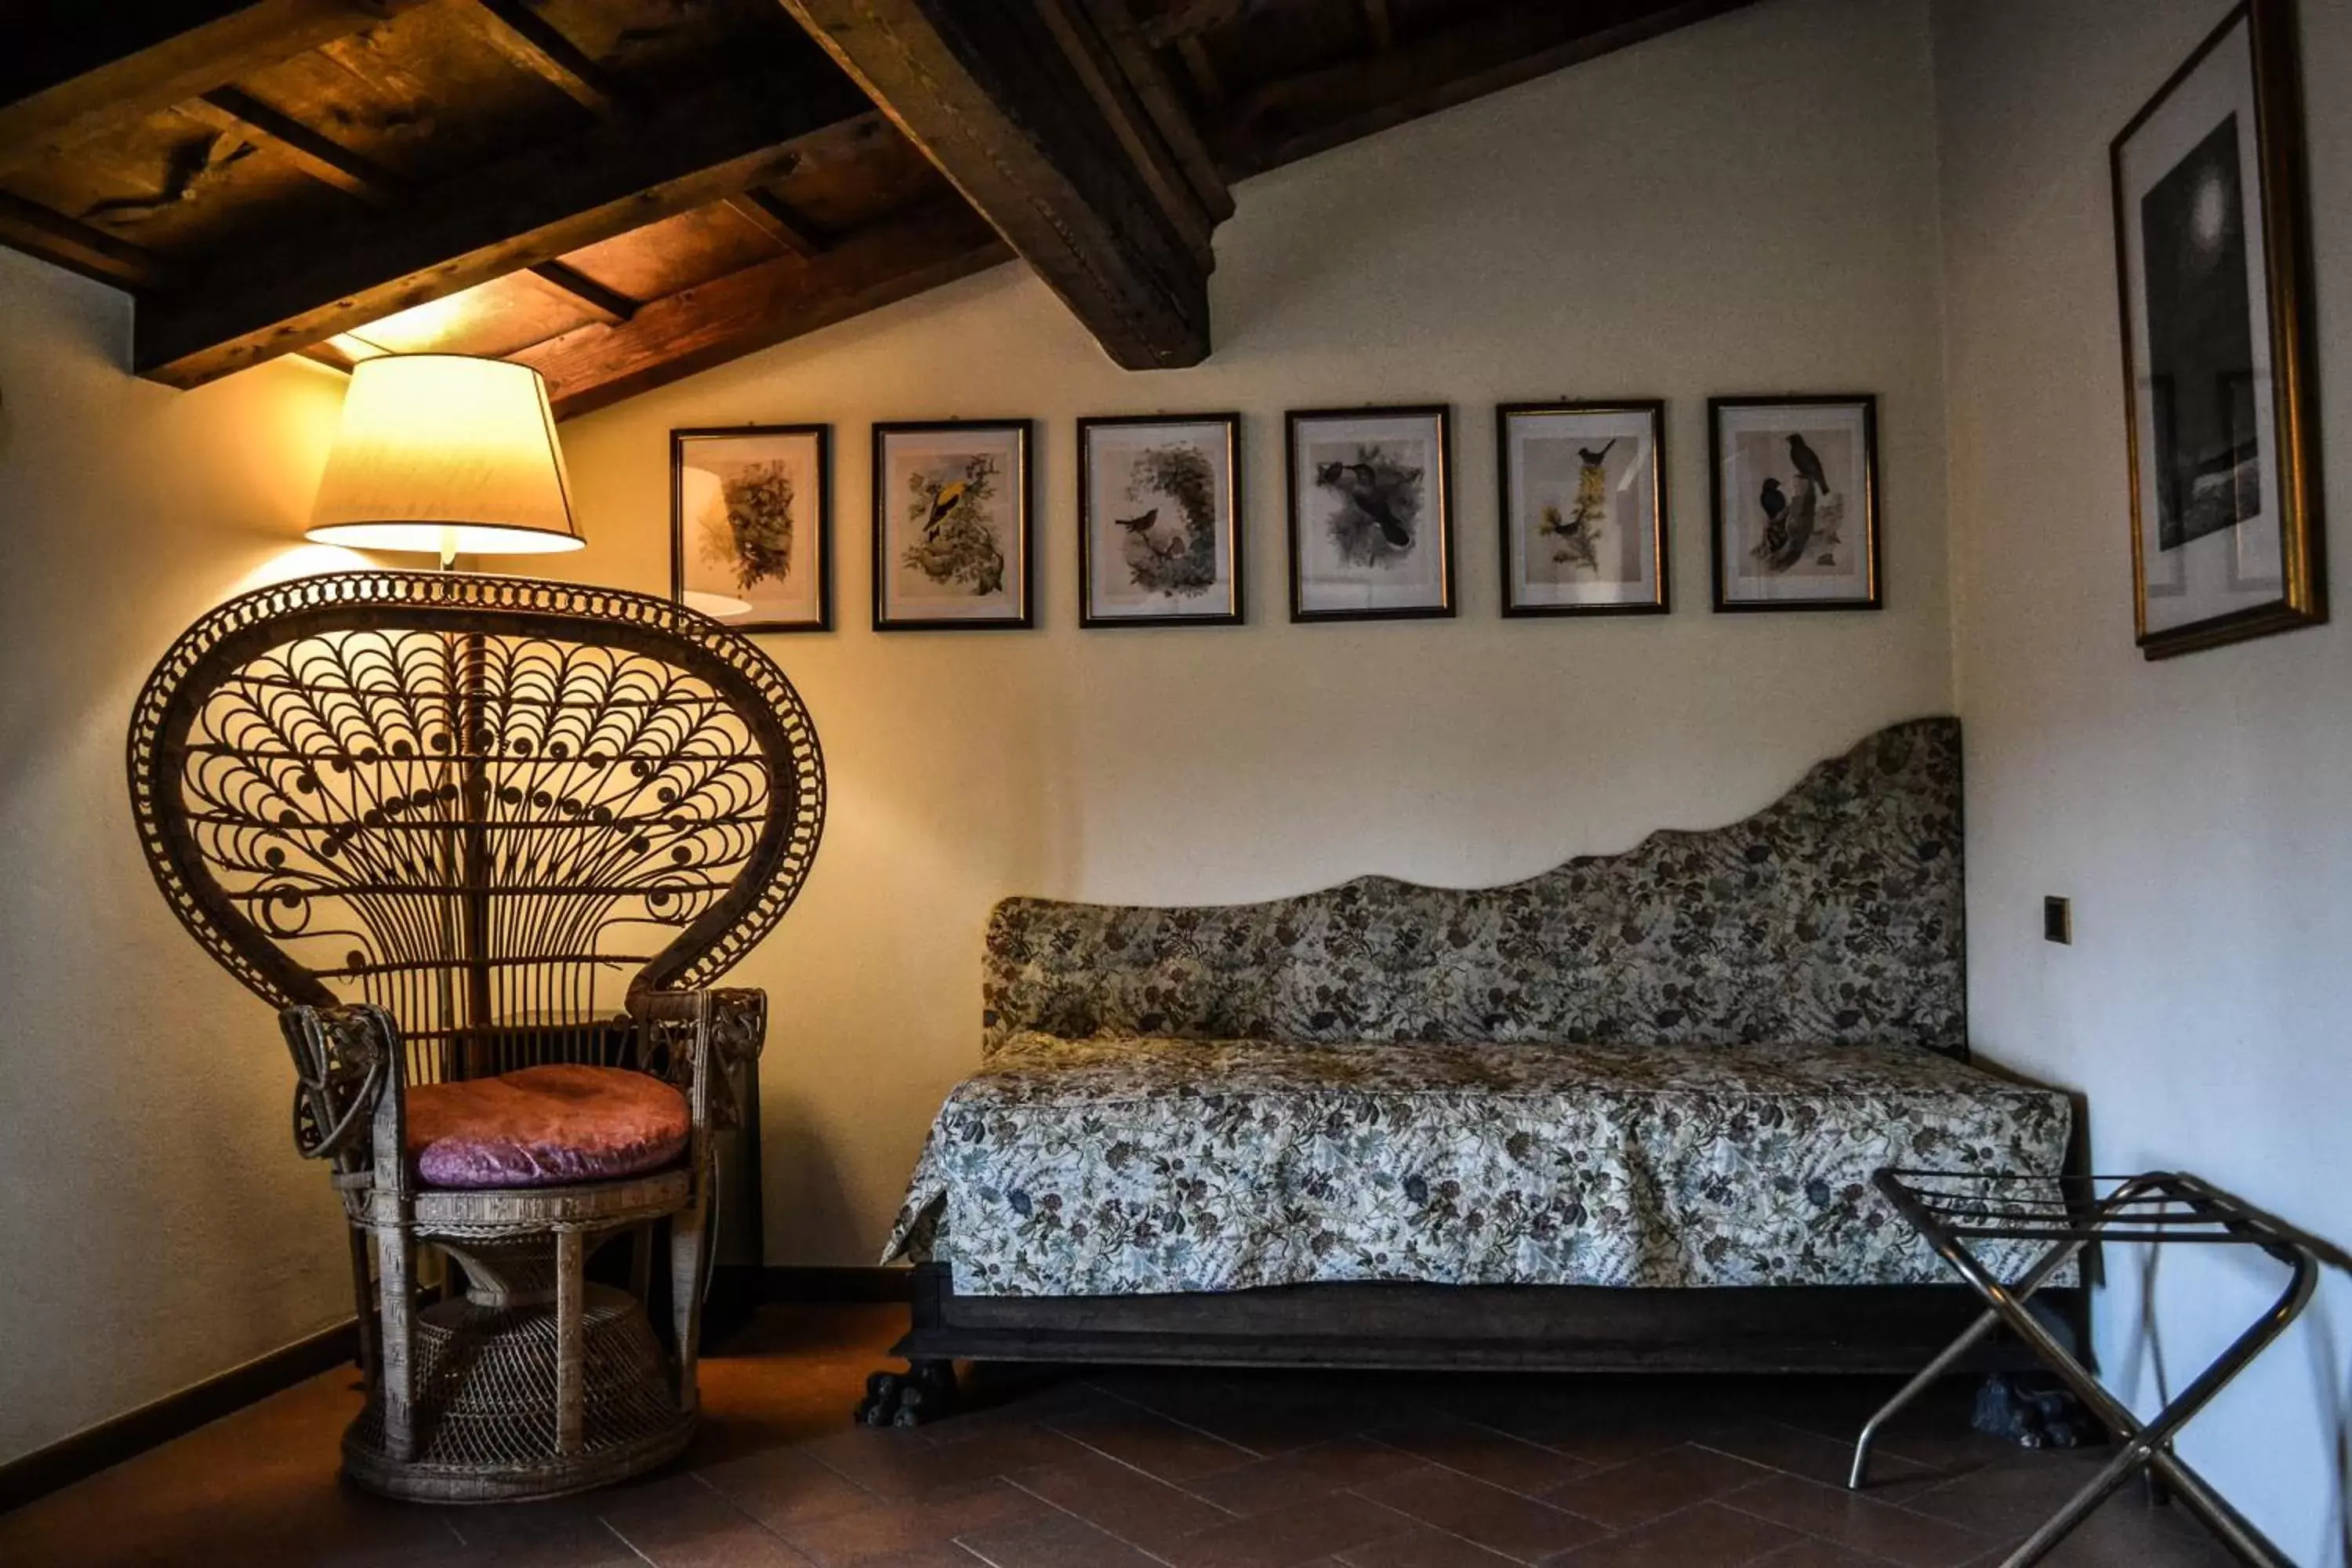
<point>2141,1208</point>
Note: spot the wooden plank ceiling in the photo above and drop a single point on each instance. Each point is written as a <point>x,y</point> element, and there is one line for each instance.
<point>624,192</point>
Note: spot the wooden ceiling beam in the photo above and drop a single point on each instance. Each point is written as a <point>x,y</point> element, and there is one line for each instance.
<point>530,207</point>
<point>609,306</point>
<point>764,305</point>
<point>238,113</point>
<point>92,65</point>
<point>997,96</point>
<point>769,213</point>
<point>75,247</point>
<point>530,41</point>
<point>1158,97</point>
<point>1300,116</point>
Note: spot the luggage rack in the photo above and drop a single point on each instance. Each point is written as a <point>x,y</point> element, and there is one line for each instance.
<point>1952,1209</point>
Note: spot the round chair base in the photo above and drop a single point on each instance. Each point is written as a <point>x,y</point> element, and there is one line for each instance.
<point>484,1428</point>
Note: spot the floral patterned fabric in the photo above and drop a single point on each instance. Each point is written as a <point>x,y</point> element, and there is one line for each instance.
<point>1123,1164</point>
<point>1368,1083</point>
<point>1832,916</point>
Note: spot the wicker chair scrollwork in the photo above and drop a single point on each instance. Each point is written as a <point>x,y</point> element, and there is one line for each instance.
<point>486,842</point>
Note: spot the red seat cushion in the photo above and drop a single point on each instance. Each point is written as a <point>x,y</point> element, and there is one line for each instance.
<point>545,1126</point>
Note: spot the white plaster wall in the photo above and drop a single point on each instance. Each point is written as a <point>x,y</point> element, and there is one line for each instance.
<point>2199,811</point>
<point>155,1225</point>
<point>1672,221</point>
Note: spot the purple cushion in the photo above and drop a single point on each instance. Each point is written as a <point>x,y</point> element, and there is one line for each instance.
<point>545,1126</point>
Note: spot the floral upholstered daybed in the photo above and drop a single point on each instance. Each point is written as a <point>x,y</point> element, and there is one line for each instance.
<point>1640,1097</point>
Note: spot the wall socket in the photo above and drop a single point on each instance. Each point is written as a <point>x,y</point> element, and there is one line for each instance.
<point>2058,921</point>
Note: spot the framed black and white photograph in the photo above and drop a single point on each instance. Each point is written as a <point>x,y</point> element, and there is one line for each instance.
<point>952,525</point>
<point>1584,506</point>
<point>2225,501</point>
<point>1159,521</point>
<point>1371,532</point>
<point>1796,502</point>
<point>751,525</point>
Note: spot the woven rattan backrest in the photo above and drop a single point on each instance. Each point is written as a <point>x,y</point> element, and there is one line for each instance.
<point>493,807</point>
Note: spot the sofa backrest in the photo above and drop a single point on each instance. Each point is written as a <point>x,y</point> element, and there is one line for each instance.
<point>1833,916</point>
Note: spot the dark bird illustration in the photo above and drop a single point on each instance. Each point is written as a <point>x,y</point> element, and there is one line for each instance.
<point>1590,458</point>
<point>1774,505</point>
<point>1807,462</point>
<point>1139,524</point>
<point>1366,493</point>
<point>1797,528</point>
<point>942,504</point>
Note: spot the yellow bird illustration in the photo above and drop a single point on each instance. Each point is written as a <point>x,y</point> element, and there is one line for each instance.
<point>948,497</point>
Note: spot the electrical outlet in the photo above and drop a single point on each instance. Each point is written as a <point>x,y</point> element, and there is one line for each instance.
<point>2058,921</point>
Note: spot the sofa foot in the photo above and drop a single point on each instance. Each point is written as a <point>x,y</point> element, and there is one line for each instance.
<point>2034,1410</point>
<point>923,1393</point>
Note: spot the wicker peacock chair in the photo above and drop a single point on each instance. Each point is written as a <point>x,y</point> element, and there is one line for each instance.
<point>485,842</point>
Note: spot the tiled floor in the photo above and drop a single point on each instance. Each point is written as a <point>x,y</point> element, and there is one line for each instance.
<point>1130,1469</point>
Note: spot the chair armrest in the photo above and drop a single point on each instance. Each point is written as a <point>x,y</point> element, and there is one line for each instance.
<point>347,1060</point>
<point>695,1039</point>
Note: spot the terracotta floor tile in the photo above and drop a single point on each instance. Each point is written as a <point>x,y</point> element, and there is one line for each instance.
<point>1809,1454</point>
<point>1623,1496</point>
<point>1877,1529</point>
<point>1264,1484</point>
<point>1493,1457</point>
<point>837,1540</point>
<point>1422,1547</point>
<point>1503,1521</point>
<point>1054,1541</point>
<point>1319,1527</point>
<point>681,1522</point>
<point>1153,1444</point>
<point>777,1477</point>
<point>2014,1499</point>
<point>1810,1552</point>
<point>779,1486</point>
<point>889,1470</point>
<point>1121,1499</point>
<point>1706,1535</point>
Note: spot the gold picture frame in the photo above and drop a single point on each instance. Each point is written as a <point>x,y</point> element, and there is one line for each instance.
<point>2212,280</point>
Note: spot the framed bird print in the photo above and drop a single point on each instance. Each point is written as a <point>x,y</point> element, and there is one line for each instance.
<point>952,525</point>
<point>2217,382</point>
<point>1796,502</point>
<point>1583,508</point>
<point>751,525</point>
<point>1371,532</point>
<point>1159,521</point>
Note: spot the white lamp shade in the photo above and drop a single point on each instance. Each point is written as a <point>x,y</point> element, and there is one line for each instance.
<point>448,454</point>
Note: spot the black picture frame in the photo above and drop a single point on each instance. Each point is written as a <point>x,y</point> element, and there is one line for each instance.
<point>1023,581</point>
<point>1506,415</point>
<point>680,439</point>
<point>1089,616</point>
<point>2291,483</point>
<point>1873,593</point>
<point>1444,605</point>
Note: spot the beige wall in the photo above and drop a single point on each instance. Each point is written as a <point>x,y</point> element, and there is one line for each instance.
<point>2198,812</point>
<point>155,1227</point>
<point>1664,222</point>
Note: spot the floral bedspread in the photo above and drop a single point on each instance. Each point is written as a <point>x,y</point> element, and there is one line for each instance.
<point>1127,1165</point>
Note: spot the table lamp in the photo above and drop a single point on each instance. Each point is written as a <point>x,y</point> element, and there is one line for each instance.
<point>446,455</point>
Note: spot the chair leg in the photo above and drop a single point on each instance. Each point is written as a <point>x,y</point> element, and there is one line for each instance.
<point>641,1263</point>
<point>571,1341</point>
<point>364,1307</point>
<point>689,1236</point>
<point>397,1298</point>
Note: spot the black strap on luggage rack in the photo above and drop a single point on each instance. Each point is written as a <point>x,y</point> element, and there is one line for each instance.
<point>1952,1209</point>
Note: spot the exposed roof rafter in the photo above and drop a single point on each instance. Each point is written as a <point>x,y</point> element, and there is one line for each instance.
<point>529,208</point>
